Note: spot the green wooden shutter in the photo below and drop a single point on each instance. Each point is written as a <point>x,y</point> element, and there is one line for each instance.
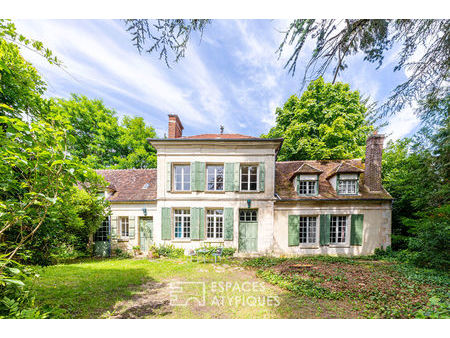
<point>229,224</point>
<point>317,186</point>
<point>297,183</point>
<point>169,175</point>
<point>131,227</point>
<point>200,172</point>
<point>293,230</point>
<point>229,176</point>
<point>194,223</point>
<point>237,172</point>
<point>201,224</point>
<point>337,184</point>
<point>325,229</point>
<point>193,182</point>
<point>113,227</point>
<point>166,229</point>
<point>262,176</point>
<point>356,234</point>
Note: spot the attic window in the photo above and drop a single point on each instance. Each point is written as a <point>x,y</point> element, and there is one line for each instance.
<point>146,185</point>
<point>307,185</point>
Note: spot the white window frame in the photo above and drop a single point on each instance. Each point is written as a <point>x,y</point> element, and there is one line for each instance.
<point>248,183</point>
<point>215,216</point>
<point>346,185</point>
<point>215,166</point>
<point>346,231</point>
<point>124,221</point>
<point>309,218</point>
<point>185,217</point>
<point>174,180</point>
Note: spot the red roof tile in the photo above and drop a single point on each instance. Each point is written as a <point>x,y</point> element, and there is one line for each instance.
<point>218,136</point>
<point>128,184</point>
<point>285,189</point>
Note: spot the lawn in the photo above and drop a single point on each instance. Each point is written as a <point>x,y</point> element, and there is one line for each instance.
<point>320,287</point>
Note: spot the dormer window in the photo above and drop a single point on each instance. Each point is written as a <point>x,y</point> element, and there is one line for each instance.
<point>348,184</point>
<point>307,185</point>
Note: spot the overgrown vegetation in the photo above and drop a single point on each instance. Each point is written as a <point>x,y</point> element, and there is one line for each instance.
<point>378,289</point>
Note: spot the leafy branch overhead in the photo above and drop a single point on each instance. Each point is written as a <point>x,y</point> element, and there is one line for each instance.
<point>164,36</point>
<point>424,53</point>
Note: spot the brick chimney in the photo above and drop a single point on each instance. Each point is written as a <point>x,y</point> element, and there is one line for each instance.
<point>175,126</point>
<point>374,150</point>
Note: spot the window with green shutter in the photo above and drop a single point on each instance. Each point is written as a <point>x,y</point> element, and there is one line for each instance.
<point>197,223</point>
<point>113,227</point>
<point>357,227</point>
<point>166,231</point>
<point>293,230</point>
<point>198,176</point>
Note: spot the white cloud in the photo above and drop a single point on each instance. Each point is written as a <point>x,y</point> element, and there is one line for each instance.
<point>401,124</point>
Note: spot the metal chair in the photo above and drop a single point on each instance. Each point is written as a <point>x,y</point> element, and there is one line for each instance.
<point>217,253</point>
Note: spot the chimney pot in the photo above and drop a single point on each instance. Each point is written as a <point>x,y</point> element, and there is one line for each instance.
<point>374,152</point>
<point>175,126</point>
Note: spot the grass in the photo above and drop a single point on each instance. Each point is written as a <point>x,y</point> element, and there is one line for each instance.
<point>319,287</point>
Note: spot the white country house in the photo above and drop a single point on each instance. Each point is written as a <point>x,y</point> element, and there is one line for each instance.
<point>228,190</point>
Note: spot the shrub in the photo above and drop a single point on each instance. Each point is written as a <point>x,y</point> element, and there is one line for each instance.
<point>121,254</point>
<point>169,251</point>
<point>15,300</point>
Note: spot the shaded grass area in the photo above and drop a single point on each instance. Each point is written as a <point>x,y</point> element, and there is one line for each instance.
<point>377,289</point>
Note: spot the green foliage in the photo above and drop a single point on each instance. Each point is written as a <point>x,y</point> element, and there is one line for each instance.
<point>169,251</point>
<point>263,262</point>
<point>327,122</point>
<point>337,40</point>
<point>16,301</point>
<point>119,253</point>
<point>97,137</point>
<point>226,252</point>
<point>430,247</point>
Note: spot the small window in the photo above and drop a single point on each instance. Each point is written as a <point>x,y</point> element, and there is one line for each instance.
<point>214,222</point>
<point>102,233</point>
<point>307,187</point>
<point>215,177</point>
<point>248,215</point>
<point>348,187</point>
<point>249,178</point>
<point>182,219</point>
<point>124,226</point>
<point>308,230</point>
<point>182,177</point>
<point>338,229</point>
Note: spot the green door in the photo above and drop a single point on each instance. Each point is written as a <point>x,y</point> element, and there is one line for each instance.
<point>248,231</point>
<point>146,232</point>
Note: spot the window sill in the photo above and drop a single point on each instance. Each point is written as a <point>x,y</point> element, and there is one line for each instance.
<point>181,240</point>
<point>123,239</point>
<point>214,191</point>
<point>339,245</point>
<point>313,246</point>
<point>180,191</point>
<point>214,240</point>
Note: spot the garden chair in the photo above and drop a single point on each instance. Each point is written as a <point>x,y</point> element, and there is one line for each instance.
<point>192,253</point>
<point>217,253</point>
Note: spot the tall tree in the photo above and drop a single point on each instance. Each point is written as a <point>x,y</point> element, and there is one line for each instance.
<point>327,122</point>
<point>337,40</point>
<point>98,137</point>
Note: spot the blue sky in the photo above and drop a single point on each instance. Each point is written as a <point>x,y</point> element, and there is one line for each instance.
<point>232,76</point>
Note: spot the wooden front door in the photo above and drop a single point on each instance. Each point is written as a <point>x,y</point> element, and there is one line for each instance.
<point>248,230</point>
<point>145,232</point>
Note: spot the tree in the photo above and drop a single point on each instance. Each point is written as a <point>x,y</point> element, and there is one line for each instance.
<point>137,151</point>
<point>327,122</point>
<point>336,41</point>
<point>165,36</point>
<point>97,137</point>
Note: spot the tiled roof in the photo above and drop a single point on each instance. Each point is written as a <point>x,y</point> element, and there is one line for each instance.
<point>284,186</point>
<point>218,136</point>
<point>344,167</point>
<point>305,168</point>
<point>127,184</point>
